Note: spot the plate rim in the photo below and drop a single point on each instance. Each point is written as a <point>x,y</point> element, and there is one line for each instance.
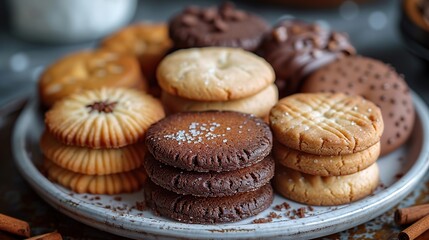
<point>355,214</point>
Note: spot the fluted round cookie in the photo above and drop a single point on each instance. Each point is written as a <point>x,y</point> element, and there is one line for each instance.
<point>211,184</point>
<point>259,104</point>
<point>87,70</point>
<point>214,74</point>
<point>326,123</point>
<point>208,210</point>
<point>149,42</point>
<point>377,82</point>
<point>209,141</point>
<point>321,165</point>
<point>92,161</point>
<point>103,118</point>
<point>325,191</point>
<point>105,184</point>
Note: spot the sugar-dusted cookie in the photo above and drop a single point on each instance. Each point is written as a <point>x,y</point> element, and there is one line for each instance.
<point>377,82</point>
<point>209,141</point>
<point>149,42</point>
<point>211,184</point>
<point>89,70</point>
<point>105,184</point>
<point>214,74</point>
<point>103,118</point>
<point>325,191</point>
<point>92,161</point>
<point>208,210</point>
<point>259,104</point>
<point>321,165</point>
<point>217,26</point>
<point>326,123</point>
<point>295,49</point>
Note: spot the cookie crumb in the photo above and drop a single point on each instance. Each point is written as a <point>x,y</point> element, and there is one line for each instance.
<point>117,198</point>
<point>262,220</point>
<point>284,205</point>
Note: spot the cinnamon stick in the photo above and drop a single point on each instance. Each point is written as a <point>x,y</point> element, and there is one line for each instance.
<point>411,214</point>
<point>14,226</point>
<point>47,236</point>
<point>415,229</point>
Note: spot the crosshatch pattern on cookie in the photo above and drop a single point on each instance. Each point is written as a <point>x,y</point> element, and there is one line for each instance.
<point>326,124</point>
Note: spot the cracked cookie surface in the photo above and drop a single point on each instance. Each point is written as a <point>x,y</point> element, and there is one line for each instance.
<point>214,74</point>
<point>326,123</point>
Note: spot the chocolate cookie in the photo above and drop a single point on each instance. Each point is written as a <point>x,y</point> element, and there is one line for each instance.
<point>295,49</point>
<point>209,141</point>
<point>212,184</point>
<point>376,82</point>
<point>191,209</point>
<point>216,26</point>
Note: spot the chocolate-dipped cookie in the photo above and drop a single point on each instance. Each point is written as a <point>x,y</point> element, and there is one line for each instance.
<point>295,49</point>
<point>212,184</point>
<point>216,26</point>
<point>209,141</point>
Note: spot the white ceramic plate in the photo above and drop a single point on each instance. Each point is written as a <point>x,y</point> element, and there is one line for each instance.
<point>117,214</point>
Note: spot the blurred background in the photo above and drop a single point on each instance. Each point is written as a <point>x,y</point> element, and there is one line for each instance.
<point>34,33</point>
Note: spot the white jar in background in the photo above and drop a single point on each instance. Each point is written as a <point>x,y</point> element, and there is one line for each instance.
<point>67,21</point>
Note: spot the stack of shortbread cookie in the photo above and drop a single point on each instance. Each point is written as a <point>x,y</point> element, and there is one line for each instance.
<point>209,167</point>
<point>93,140</point>
<point>327,147</point>
<point>217,78</point>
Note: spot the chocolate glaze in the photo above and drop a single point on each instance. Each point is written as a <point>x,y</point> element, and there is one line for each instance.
<point>295,49</point>
<point>216,26</point>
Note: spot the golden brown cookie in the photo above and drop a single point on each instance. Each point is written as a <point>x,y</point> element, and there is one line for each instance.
<point>325,191</point>
<point>259,104</point>
<point>92,161</point>
<point>325,165</point>
<point>214,74</point>
<point>105,184</point>
<point>149,42</point>
<point>103,118</point>
<point>326,123</point>
<point>89,70</point>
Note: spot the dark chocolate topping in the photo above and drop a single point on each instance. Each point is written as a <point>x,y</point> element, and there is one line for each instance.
<point>104,106</point>
<point>216,26</point>
<point>295,49</point>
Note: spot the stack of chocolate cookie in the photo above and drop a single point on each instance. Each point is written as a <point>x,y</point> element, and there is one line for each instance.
<point>217,78</point>
<point>327,147</point>
<point>93,139</point>
<point>209,167</point>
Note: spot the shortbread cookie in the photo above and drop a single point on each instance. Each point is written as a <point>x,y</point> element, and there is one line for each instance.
<point>209,141</point>
<point>149,42</point>
<point>296,48</point>
<point>377,82</point>
<point>326,123</point>
<point>325,191</point>
<point>93,161</point>
<point>325,165</point>
<point>105,184</point>
<point>89,70</point>
<point>208,210</point>
<point>212,184</point>
<point>259,104</point>
<point>214,74</point>
<point>217,26</point>
<point>103,118</point>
